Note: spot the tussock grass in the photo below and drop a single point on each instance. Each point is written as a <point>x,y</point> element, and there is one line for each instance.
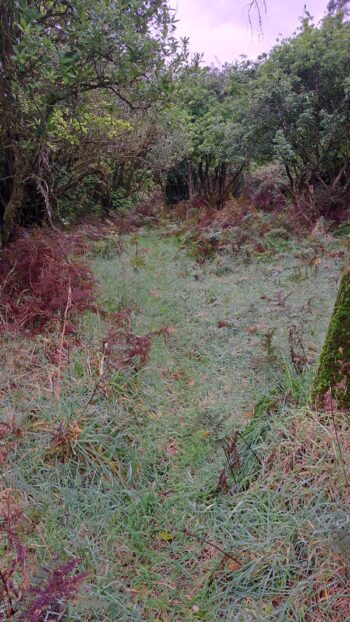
<point>123,473</point>
<point>290,529</point>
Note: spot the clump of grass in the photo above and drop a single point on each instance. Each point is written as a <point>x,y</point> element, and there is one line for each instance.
<point>108,246</point>
<point>289,530</point>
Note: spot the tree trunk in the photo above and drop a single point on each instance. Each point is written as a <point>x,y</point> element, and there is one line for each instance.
<point>331,386</point>
<point>190,180</point>
<point>12,211</point>
<point>10,126</point>
<point>18,168</point>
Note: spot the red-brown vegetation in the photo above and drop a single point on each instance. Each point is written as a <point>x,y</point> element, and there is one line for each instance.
<point>37,279</point>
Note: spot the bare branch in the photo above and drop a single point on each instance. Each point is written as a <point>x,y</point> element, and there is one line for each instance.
<point>258,7</point>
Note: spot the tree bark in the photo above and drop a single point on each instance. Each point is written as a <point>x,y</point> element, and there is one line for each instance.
<point>12,211</point>
<point>331,386</point>
<point>9,128</point>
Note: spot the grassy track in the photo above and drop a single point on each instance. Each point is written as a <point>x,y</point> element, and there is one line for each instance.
<point>151,446</point>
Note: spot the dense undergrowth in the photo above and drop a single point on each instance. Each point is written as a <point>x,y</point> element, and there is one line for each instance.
<point>159,459</point>
<point>242,229</point>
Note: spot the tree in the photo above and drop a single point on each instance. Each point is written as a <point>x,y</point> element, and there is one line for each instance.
<point>326,70</point>
<point>299,106</point>
<point>338,6</point>
<point>52,56</point>
<point>213,102</point>
<point>331,387</point>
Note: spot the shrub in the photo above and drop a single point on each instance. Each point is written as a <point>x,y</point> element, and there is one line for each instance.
<point>38,282</point>
<point>20,594</point>
<point>266,188</point>
<point>61,586</point>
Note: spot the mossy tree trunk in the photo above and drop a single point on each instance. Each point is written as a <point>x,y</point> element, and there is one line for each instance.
<point>332,381</point>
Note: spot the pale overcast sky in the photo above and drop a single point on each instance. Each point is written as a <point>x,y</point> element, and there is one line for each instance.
<point>220,28</point>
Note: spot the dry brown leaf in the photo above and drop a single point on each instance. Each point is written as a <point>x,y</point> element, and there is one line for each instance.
<point>172,449</point>
<point>233,566</point>
<point>248,415</point>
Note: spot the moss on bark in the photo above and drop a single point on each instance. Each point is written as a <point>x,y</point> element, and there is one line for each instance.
<point>332,381</point>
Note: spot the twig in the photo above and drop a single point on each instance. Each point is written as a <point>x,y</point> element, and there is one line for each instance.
<point>10,609</point>
<point>249,446</point>
<point>204,541</point>
<point>60,354</point>
<point>93,393</point>
<point>255,4</point>
<point>230,465</point>
<point>340,449</point>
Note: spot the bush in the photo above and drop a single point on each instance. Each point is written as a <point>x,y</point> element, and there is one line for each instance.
<point>266,188</point>
<point>38,282</point>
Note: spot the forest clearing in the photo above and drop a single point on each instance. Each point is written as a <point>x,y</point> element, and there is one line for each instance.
<point>174,316</point>
<point>125,466</point>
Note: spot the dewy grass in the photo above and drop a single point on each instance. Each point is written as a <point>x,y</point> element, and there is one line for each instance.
<point>124,475</point>
<point>281,529</point>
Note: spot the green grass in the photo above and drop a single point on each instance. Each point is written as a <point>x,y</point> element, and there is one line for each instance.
<point>144,469</point>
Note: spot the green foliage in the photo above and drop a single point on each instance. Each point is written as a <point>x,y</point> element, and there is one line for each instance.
<point>290,107</point>
<point>300,109</point>
<point>100,104</point>
<point>221,145</point>
<point>70,77</point>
